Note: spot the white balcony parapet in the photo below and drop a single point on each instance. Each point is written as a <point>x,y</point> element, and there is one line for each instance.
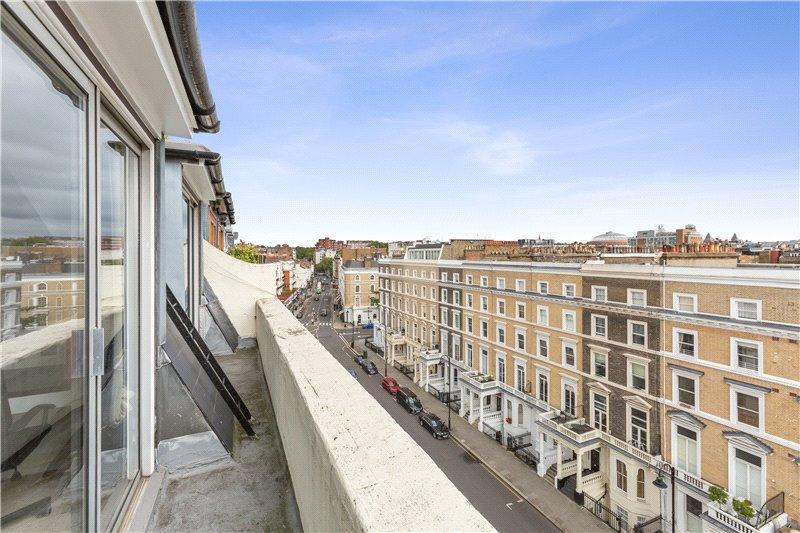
<point>478,381</point>
<point>631,449</point>
<point>544,406</point>
<point>727,518</point>
<point>568,469</point>
<point>590,480</point>
<point>492,416</point>
<point>352,465</point>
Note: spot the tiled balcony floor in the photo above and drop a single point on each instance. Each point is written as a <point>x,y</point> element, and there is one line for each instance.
<point>251,492</point>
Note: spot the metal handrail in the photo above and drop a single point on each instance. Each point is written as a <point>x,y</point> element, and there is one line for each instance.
<point>770,509</point>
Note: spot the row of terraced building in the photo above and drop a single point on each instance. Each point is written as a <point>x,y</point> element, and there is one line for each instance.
<point>607,378</point>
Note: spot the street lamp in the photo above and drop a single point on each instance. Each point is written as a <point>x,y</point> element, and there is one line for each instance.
<point>449,392</point>
<point>353,336</point>
<point>661,485</point>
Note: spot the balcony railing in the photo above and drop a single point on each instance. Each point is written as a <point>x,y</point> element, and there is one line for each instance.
<point>481,382</point>
<point>767,519</point>
<point>551,420</point>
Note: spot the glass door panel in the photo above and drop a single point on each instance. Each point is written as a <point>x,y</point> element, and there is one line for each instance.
<point>43,178</point>
<point>118,411</point>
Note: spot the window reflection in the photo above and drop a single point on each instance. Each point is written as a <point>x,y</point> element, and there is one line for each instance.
<point>119,166</point>
<point>42,288</point>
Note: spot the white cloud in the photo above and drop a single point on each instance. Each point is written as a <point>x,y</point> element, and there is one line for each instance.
<point>502,152</point>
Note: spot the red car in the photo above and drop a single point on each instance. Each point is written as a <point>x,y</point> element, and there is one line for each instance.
<point>390,384</point>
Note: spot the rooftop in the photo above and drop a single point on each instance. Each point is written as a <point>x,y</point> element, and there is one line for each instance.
<point>248,491</point>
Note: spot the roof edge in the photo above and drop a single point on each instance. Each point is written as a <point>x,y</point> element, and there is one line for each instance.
<point>178,17</point>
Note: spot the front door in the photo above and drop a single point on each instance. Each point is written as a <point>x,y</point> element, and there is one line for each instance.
<point>594,460</point>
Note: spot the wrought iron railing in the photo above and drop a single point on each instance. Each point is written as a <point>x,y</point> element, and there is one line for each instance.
<point>771,508</point>
<point>651,526</point>
<point>604,513</point>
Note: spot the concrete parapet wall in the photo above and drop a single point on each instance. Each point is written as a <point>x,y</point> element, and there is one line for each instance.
<point>353,468</point>
<point>238,285</point>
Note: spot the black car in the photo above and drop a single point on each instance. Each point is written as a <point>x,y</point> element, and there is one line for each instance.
<point>434,424</point>
<point>369,367</point>
<point>408,400</point>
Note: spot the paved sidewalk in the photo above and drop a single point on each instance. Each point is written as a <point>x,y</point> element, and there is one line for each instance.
<point>553,504</point>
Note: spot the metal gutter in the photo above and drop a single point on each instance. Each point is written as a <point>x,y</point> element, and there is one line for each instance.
<point>213,162</point>
<point>180,24</point>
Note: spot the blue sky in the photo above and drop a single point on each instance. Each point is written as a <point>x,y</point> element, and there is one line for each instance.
<point>402,121</point>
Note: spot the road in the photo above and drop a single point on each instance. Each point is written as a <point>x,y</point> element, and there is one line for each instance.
<point>503,508</point>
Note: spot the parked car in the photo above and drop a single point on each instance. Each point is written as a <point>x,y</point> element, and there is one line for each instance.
<point>434,424</point>
<point>408,400</point>
<point>368,325</point>
<point>369,367</point>
<point>324,312</point>
<point>358,358</point>
<point>390,384</point>
<point>352,373</point>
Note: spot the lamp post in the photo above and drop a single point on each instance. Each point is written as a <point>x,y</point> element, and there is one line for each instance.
<point>449,391</point>
<point>661,484</point>
<point>353,335</point>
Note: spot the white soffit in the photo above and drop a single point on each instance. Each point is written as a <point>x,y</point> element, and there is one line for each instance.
<point>197,178</point>
<point>133,43</point>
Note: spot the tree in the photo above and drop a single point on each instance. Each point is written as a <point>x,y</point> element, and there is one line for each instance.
<point>304,252</point>
<point>244,252</point>
<point>378,244</point>
<point>325,265</point>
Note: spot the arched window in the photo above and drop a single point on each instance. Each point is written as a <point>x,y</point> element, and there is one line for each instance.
<point>358,278</point>
<point>41,286</point>
<point>622,476</point>
<point>640,484</point>
<point>372,277</point>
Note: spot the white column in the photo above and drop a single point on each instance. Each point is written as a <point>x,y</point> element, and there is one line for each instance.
<point>427,377</point>
<point>540,467</point>
<point>480,413</point>
<point>558,464</point>
<point>579,473</point>
<point>471,408</point>
<point>462,408</point>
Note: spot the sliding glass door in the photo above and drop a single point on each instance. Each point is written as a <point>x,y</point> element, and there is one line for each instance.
<point>43,222</point>
<point>69,352</point>
<point>117,276</point>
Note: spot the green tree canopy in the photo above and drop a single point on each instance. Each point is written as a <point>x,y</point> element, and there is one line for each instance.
<point>325,265</point>
<point>304,252</point>
<point>244,253</point>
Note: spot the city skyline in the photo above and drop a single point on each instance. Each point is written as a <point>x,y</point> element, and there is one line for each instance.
<point>471,120</point>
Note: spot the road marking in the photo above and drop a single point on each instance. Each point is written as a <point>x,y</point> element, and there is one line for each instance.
<point>509,506</point>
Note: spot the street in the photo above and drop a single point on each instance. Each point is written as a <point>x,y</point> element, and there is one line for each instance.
<point>503,508</point>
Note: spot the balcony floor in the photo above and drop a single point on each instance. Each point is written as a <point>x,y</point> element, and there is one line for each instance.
<point>252,491</point>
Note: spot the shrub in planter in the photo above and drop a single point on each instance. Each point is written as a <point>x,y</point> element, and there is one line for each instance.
<point>718,495</point>
<point>508,419</point>
<point>744,508</point>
